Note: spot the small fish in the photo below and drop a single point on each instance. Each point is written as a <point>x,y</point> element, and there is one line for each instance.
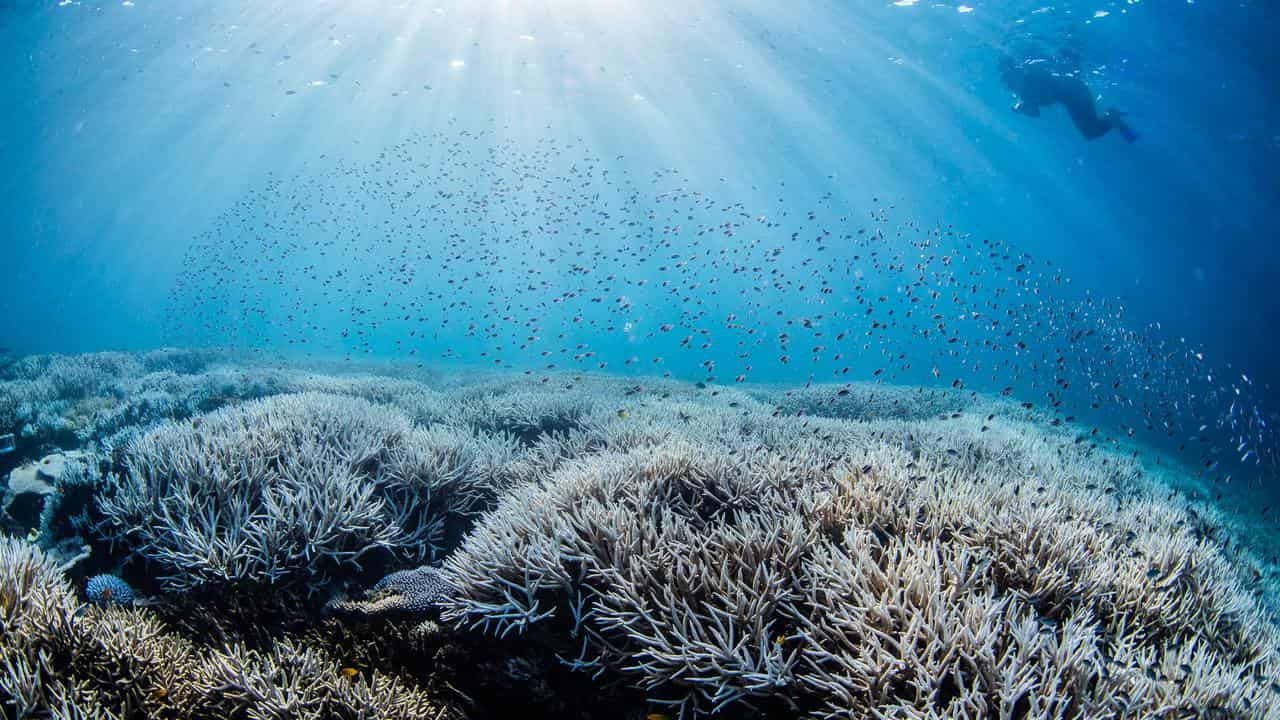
<point>348,672</point>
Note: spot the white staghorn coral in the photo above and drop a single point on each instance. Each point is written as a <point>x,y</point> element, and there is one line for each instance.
<point>882,553</point>
<point>954,567</point>
<point>36,606</point>
<point>34,597</point>
<point>58,398</point>
<point>289,490</point>
<point>293,679</point>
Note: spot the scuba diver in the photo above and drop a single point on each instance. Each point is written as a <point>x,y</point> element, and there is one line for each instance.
<point>1037,86</point>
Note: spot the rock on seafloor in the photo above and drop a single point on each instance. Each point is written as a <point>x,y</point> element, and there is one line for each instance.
<point>29,485</point>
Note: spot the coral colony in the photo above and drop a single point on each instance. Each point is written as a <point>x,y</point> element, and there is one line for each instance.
<point>107,590</point>
<point>353,545</point>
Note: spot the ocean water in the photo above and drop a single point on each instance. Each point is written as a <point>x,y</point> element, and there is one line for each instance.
<point>146,146</point>
<point>562,240</point>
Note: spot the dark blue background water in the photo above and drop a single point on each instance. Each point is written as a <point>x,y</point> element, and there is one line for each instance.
<point>130,127</point>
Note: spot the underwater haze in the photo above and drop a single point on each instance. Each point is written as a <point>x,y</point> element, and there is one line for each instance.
<point>640,359</point>
<point>129,128</point>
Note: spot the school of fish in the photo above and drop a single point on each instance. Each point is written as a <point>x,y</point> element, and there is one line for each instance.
<point>463,247</point>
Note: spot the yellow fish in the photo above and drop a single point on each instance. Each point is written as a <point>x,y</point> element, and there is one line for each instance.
<point>348,672</point>
<point>657,716</point>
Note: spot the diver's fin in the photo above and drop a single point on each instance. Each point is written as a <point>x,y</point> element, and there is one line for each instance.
<point>1025,109</point>
<point>1116,119</point>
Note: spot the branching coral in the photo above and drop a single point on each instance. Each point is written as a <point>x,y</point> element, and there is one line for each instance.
<point>66,399</point>
<point>884,552</point>
<point>292,679</point>
<point>36,606</point>
<point>60,659</point>
<point>956,567</point>
<point>62,398</point>
<point>867,401</point>
<point>108,590</point>
<point>674,568</point>
<point>294,490</point>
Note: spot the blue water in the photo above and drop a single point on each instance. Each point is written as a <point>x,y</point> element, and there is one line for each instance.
<point>135,134</point>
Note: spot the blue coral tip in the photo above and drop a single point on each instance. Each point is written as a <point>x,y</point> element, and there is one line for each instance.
<point>109,591</point>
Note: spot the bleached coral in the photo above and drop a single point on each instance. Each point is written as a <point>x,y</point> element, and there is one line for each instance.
<point>294,490</point>
<point>36,606</point>
<point>64,660</point>
<point>63,399</point>
<point>58,398</point>
<point>867,401</point>
<point>858,551</point>
<point>292,679</point>
<point>962,566</point>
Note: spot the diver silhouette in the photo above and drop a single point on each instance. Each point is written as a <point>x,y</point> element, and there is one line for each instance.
<point>1037,87</point>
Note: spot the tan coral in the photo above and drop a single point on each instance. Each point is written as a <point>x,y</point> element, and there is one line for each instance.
<point>61,660</point>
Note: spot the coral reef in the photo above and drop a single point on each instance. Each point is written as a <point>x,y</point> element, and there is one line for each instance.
<point>108,590</point>
<point>47,501</point>
<point>36,609</point>
<point>294,491</point>
<point>416,593</point>
<point>61,659</point>
<point>27,489</point>
<point>52,401</point>
<point>599,547</point>
<point>890,570</point>
<point>60,398</point>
